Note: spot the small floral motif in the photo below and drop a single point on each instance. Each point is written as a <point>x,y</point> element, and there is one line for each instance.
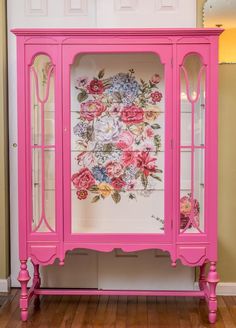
<point>118,136</point>
<point>188,207</point>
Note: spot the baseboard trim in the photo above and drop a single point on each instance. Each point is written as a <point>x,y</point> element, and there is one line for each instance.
<point>5,285</point>
<point>223,288</point>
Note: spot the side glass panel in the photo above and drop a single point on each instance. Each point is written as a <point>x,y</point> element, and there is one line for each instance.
<point>192,144</point>
<point>42,144</point>
<point>117,143</point>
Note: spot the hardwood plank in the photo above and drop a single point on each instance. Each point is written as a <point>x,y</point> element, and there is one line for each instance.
<point>131,312</point>
<point>183,314</point>
<point>98,320</point>
<point>141,317</point>
<point>70,312</point>
<point>152,317</point>
<point>80,312</point>
<point>110,314</point>
<point>121,312</point>
<point>10,306</point>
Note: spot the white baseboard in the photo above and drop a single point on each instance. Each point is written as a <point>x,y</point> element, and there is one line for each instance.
<point>223,288</point>
<point>5,285</point>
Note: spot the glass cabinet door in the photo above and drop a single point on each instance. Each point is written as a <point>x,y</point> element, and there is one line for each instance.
<point>117,139</point>
<point>192,73</point>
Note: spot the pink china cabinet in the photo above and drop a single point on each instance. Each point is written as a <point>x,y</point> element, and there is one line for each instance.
<point>117,149</point>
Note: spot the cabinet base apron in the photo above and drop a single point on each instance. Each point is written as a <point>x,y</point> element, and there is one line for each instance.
<point>207,290</point>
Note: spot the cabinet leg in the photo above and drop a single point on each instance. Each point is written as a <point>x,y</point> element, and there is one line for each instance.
<point>212,280</point>
<point>37,283</point>
<point>202,277</point>
<point>24,278</point>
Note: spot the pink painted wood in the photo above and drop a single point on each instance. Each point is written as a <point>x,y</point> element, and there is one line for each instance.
<point>172,46</point>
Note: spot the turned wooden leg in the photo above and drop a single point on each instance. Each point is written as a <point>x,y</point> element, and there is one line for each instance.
<point>37,283</point>
<point>202,277</point>
<point>24,278</point>
<point>212,280</point>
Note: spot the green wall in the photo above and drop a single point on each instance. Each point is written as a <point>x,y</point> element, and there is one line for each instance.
<point>227,166</point>
<point>4,212</point>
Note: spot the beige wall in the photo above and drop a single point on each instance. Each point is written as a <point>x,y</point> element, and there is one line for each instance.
<point>227,167</point>
<point>4,213</point>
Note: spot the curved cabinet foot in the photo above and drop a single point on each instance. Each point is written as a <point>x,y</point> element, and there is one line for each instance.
<point>212,280</point>
<point>24,278</point>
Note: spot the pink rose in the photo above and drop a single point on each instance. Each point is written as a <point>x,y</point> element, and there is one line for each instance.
<point>83,179</point>
<point>129,158</point>
<point>126,139</point>
<point>156,96</point>
<point>155,78</point>
<point>91,109</point>
<point>95,87</point>
<point>132,114</point>
<point>118,183</point>
<point>186,209</point>
<point>114,169</point>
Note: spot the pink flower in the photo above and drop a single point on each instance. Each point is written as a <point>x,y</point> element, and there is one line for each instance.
<point>95,87</point>
<point>156,96</point>
<point>132,114</point>
<point>83,179</point>
<point>82,194</point>
<point>145,163</point>
<point>126,139</point>
<point>149,133</point>
<point>186,209</point>
<point>129,158</point>
<point>155,78</point>
<point>114,169</point>
<point>118,183</point>
<point>91,109</point>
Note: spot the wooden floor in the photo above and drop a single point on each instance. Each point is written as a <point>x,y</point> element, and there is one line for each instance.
<point>140,312</point>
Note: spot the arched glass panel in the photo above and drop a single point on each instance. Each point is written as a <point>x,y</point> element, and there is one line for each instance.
<point>192,144</point>
<point>43,144</point>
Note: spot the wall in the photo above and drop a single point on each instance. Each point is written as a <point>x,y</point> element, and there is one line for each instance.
<point>4,215</point>
<point>227,167</point>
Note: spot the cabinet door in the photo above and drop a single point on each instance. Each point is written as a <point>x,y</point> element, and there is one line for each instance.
<point>117,143</point>
<point>43,139</point>
<point>194,116</point>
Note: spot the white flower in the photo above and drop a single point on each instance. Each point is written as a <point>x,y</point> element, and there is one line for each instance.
<point>107,129</point>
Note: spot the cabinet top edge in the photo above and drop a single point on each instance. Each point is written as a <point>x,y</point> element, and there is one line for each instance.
<point>117,31</point>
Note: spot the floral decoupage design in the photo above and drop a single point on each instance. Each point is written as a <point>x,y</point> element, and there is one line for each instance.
<point>118,136</point>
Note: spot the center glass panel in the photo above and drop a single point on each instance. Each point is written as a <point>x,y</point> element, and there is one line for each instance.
<point>117,143</point>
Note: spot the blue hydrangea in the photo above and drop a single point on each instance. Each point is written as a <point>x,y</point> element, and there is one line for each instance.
<point>100,174</point>
<point>126,86</point>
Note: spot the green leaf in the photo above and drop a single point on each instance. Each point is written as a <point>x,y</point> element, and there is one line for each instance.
<point>82,96</point>
<point>116,196</point>
<point>157,141</point>
<point>93,189</point>
<point>132,196</point>
<point>156,177</point>
<point>155,126</point>
<point>107,147</point>
<point>95,199</point>
<point>117,96</point>
<point>101,73</point>
<point>137,174</point>
<point>144,180</point>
